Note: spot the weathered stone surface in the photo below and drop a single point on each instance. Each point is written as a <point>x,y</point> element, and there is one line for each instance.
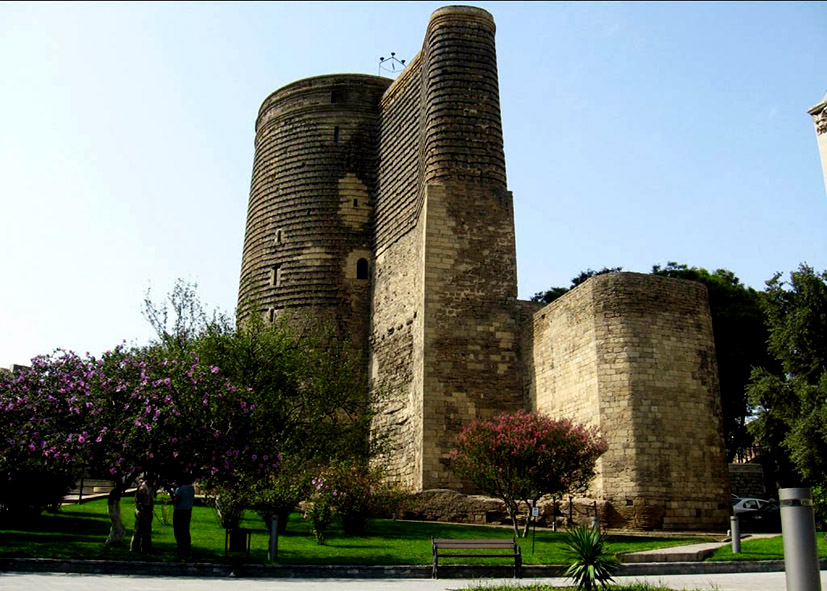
<point>747,480</point>
<point>406,180</point>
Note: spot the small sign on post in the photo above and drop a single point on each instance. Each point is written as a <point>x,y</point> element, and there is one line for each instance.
<point>535,513</point>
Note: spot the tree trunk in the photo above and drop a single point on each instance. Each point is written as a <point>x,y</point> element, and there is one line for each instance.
<point>116,528</point>
<point>513,511</point>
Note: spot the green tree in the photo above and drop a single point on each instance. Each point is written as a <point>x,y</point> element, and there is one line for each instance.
<point>791,402</point>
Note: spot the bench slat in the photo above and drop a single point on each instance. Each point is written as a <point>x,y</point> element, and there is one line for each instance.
<point>510,547</point>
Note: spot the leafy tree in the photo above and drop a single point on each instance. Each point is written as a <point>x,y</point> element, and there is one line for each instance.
<point>791,402</point>
<point>523,456</point>
<point>41,433</point>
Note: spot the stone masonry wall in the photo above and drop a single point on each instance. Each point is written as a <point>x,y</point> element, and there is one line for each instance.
<point>657,396</point>
<point>562,372</point>
<point>310,217</point>
<point>396,355</point>
<point>747,480</point>
<point>471,342</point>
<point>401,137</point>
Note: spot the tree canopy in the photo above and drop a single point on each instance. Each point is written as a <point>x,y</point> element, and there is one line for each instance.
<point>791,400</point>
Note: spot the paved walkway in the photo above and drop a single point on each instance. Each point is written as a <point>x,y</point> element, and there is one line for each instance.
<point>63,582</point>
<point>688,553</point>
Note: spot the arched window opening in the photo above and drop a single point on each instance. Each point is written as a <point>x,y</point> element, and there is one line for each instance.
<point>362,269</point>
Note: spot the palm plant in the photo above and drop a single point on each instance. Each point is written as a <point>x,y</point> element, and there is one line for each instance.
<point>590,561</point>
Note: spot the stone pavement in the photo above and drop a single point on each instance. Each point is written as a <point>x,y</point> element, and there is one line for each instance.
<point>688,553</point>
<point>73,582</point>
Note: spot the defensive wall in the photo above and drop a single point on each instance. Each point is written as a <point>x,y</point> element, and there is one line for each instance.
<point>382,206</point>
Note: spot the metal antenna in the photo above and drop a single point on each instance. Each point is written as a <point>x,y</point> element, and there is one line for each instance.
<point>391,65</point>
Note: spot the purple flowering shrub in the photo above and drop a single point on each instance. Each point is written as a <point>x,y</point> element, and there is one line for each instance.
<point>320,510</point>
<point>42,433</point>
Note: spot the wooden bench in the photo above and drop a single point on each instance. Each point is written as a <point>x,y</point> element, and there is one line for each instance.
<point>481,549</point>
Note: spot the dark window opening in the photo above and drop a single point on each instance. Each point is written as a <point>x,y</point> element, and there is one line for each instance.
<point>355,203</point>
<point>362,269</point>
<point>278,236</point>
<point>336,135</point>
<point>275,276</point>
<point>272,314</point>
<point>335,96</point>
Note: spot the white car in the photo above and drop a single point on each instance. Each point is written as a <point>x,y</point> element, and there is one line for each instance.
<point>741,505</point>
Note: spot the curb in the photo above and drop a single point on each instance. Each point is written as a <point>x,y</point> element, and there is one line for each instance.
<point>258,571</point>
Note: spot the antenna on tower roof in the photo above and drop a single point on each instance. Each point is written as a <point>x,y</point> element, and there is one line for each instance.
<point>391,65</point>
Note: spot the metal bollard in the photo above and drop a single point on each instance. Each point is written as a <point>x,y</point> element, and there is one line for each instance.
<point>798,528</point>
<point>274,537</point>
<point>736,534</point>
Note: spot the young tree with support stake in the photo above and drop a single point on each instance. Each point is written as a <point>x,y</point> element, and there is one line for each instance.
<point>523,456</point>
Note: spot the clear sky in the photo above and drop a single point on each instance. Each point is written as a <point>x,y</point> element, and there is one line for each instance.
<point>635,134</point>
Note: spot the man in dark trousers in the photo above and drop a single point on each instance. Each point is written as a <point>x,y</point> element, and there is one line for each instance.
<point>142,534</point>
<point>181,517</point>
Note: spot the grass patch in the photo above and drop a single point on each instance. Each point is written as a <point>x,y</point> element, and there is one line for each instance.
<point>763,549</point>
<point>78,531</point>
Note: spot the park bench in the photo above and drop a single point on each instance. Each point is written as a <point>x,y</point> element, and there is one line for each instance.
<point>458,548</point>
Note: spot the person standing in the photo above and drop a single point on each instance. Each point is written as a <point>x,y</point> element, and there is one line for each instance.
<point>142,534</point>
<point>181,517</point>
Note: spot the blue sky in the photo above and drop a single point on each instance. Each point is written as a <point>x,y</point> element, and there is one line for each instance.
<point>634,133</point>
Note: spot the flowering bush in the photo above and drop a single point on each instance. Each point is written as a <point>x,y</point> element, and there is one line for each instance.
<point>131,411</point>
<point>523,456</point>
<point>42,433</point>
<point>321,509</point>
<point>362,492</point>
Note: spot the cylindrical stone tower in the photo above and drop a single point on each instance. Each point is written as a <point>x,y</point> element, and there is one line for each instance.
<point>463,134</point>
<point>308,241</point>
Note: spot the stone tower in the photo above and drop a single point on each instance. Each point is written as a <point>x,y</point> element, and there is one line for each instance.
<point>819,115</point>
<point>308,243</point>
<point>382,206</point>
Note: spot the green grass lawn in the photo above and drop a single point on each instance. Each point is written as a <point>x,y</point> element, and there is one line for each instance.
<point>763,549</point>
<point>78,531</point>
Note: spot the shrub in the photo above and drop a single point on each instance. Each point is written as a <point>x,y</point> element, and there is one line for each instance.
<point>590,562</point>
<point>525,455</point>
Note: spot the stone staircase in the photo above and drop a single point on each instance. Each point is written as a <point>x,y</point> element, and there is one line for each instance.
<point>89,489</point>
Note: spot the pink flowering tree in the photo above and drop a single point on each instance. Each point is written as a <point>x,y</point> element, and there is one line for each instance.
<point>522,456</point>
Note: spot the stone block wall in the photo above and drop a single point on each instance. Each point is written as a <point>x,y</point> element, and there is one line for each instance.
<point>640,363</point>
<point>747,480</point>
<point>310,215</point>
<point>471,334</point>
